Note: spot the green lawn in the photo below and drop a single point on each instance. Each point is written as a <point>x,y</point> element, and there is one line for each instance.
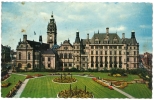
<point>13,79</point>
<point>138,90</point>
<point>96,74</point>
<point>44,87</point>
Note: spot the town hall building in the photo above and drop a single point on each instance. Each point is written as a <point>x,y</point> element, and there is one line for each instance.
<point>103,51</point>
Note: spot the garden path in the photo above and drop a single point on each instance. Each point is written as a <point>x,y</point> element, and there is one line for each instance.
<point>122,92</point>
<point>21,89</point>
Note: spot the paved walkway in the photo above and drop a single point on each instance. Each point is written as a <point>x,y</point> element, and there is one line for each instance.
<point>21,88</point>
<point>124,93</point>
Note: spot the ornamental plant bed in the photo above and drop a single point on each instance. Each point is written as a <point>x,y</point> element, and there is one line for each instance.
<point>75,93</point>
<point>29,76</point>
<point>38,75</point>
<point>65,79</point>
<point>5,84</point>
<point>5,77</point>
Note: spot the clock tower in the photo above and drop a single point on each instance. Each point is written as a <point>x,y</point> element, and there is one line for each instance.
<point>52,32</point>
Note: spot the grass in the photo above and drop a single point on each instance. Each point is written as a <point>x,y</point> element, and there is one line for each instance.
<point>96,74</point>
<point>44,87</point>
<point>13,79</point>
<point>138,90</point>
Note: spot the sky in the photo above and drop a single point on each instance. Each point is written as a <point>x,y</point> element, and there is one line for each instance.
<point>18,18</point>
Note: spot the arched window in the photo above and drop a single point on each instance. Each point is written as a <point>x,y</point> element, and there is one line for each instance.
<point>61,55</point>
<point>70,56</point>
<point>19,55</point>
<point>29,56</point>
<point>65,55</point>
<point>19,65</point>
<point>28,65</point>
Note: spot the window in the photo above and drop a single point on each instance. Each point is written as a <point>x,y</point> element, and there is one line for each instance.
<point>92,47</point>
<point>119,52</point>
<point>134,65</point>
<point>115,47</point>
<point>92,65</point>
<point>115,52</point>
<point>110,59</point>
<point>106,59</point>
<point>28,65</point>
<point>119,59</point>
<point>96,52</point>
<point>29,56</point>
<point>77,47</point>
<point>105,47</point>
<point>49,59</point>
<point>134,47</point>
<point>101,52</point>
<point>83,59</point>
<point>96,47</point>
<point>110,47</point>
<point>48,65</point>
<point>61,55</point>
<point>101,65</point>
<point>101,59</point>
<point>70,56</point>
<point>134,59</point>
<point>65,56</point>
<point>110,52</point>
<point>101,47</point>
<point>120,47</point>
<point>127,59</point>
<point>134,52</point>
<point>106,52</point>
<point>127,53</point>
<point>115,59</point>
<point>92,60</point>
<point>19,56</point>
<point>77,58</point>
<point>96,59</point>
<point>83,65</point>
<point>70,65</point>
<point>92,52</point>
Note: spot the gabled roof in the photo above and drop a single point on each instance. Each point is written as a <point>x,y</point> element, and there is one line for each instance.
<point>38,45</point>
<point>102,36</point>
<point>48,51</point>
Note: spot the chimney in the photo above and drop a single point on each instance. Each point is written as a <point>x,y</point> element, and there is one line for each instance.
<point>24,38</point>
<point>40,39</point>
<point>133,34</point>
<point>107,30</point>
<point>123,35</point>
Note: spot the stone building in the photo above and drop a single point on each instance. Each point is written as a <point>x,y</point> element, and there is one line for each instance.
<point>103,51</point>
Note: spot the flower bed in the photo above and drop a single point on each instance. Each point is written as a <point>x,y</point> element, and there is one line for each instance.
<point>75,93</point>
<point>29,76</point>
<point>5,84</point>
<point>123,85</point>
<point>100,82</point>
<point>38,75</point>
<point>90,75</point>
<point>5,77</point>
<point>64,80</point>
<point>14,90</point>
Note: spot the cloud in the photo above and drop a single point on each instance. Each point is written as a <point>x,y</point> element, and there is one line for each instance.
<point>70,16</point>
<point>145,26</point>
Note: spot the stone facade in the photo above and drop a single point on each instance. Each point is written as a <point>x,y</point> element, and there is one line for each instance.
<point>103,51</point>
